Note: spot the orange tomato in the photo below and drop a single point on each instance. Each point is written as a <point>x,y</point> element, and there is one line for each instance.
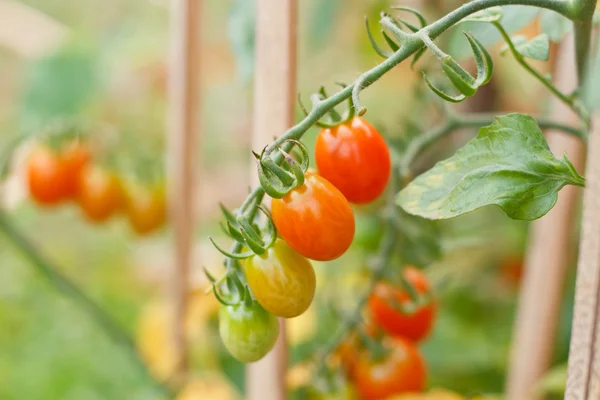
<point>146,209</point>
<point>100,194</point>
<point>401,370</point>
<point>46,177</point>
<point>355,159</point>
<point>315,219</point>
<point>73,159</point>
<point>414,326</point>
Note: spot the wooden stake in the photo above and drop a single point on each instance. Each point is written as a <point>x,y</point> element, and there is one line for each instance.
<point>274,94</point>
<point>547,257</point>
<point>182,154</point>
<point>583,381</point>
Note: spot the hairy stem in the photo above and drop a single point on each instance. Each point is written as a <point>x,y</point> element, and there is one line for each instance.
<point>63,284</point>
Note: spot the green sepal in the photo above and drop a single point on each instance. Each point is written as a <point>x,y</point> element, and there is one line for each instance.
<point>378,50</point>
<point>393,45</point>
<point>460,78</point>
<point>442,94</point>
<point>255,246</point>
<point>420,16</point>
<point>485,65</point>
<point>234,232</point>
<point>239,256</point>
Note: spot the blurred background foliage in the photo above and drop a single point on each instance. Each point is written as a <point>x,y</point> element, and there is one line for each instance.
<point>102,65</point>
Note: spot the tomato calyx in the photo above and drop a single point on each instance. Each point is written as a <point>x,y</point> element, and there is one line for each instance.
<point>236,292</point>
<point>335,118</point>
<point>247,233</point>
<point>278,180</point>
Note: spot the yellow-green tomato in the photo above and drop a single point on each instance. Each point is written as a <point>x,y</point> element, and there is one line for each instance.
<point>248,332</point>
<point>282,280</point>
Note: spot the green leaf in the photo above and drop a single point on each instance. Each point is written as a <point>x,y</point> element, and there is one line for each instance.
<point>554,25</point>
<point>537,48</point>
<point>488,15</point>
<point>508,164</point>
<point>515,18</point>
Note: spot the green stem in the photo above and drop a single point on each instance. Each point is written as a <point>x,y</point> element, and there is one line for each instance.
<point>112,328</point>
<point>568,100</point>
<point>583,13</point>
<point>476,120</point>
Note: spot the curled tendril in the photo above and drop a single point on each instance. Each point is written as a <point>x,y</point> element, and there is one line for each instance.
<point>466,84</point>
<point>276,180</point>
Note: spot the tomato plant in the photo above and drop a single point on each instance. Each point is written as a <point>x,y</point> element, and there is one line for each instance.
<point>354,157</point>
<point>282,280</point>
<point>401,369</point>
<point>315,219</point>
<point>100,194</point>
<point>385,306</point>
<point>247,330</point>
<point>46,177</point>
<point>145,209</point>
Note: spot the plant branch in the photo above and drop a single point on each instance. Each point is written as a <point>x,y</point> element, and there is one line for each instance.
<point>570,101</point>
<point>410,45</point>
<point>583,13</point>
<point>475,120</point>
<point>112,328</point>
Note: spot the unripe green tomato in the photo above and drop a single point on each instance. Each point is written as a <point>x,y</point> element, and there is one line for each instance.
<point>248,332</point>
<point>282,280</point>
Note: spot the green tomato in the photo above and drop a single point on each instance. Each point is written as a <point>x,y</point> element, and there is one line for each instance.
<point>282,280</point>
<point>248,332</point>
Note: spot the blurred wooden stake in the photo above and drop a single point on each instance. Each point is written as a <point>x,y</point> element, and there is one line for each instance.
<point>547,256</point>
<point>583,381</point>
<point>274,94</point>
<point>182,155</point>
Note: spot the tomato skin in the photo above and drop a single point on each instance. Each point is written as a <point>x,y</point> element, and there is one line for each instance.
<point>402,370</point>
<point>282,281</point>
<point>146,209</point>
<point>315,219</point>
<point>100,194</point>
<point>355,158</point>
<point>414,326</point>
<point>73,158</point>
<point>46,177</point>
<point>248,333</point>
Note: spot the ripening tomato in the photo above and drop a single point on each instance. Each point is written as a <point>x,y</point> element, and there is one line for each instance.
<point>402,370</point>
<point>354,157</point>
<point>46,177</point>
<point>73,158</point>
<point>282,281</point>
<point>146,209</point>
<point>248,332</point>
<point>100,194</point>
<point>315,219</point>
<point>385,297</point>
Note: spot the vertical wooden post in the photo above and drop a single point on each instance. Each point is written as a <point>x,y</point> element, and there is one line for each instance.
<point>547,257</point>
<point>182,131</point>
<point>583,381</point>
<point>274,94</point>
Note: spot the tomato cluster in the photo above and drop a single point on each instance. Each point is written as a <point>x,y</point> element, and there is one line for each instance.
<point>313,220</point>
<point>69,174</point>
<point>396,366</point>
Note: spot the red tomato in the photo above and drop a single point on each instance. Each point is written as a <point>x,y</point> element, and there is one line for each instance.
<point>46,177</point>
<point>402,370</point>
<point>100,194</point>
<point>414,326</point>
<point>73,158</point>
<point>315,219</point>
<point>355,159</point>
<point>146,210</point>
